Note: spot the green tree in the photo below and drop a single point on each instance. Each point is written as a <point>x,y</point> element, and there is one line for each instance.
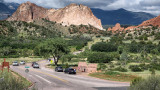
<point>104,47</point>
<point>53,47</point>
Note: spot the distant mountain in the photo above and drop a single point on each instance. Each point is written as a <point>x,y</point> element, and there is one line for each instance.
<point>122,16</point>
<point>154,22</point>
<point>6,9</point>
<point>12,6</point>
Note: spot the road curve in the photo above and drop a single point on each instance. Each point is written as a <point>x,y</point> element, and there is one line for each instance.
<point>48,79</point>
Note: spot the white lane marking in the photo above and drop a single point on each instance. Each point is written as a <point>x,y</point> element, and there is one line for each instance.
<point>30,75</point>
<point>46,69</point>
<point>43,78</point>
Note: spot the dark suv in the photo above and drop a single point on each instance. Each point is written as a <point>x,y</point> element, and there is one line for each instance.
<point>70,71</point>
<point>59,69</point>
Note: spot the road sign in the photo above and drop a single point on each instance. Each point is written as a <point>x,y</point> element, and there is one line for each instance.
<point>26,66</point>
<point>27,70</point>
<point>51,61</point>
<point>4,64</point>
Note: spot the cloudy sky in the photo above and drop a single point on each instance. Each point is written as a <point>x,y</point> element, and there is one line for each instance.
<point>150,6</point>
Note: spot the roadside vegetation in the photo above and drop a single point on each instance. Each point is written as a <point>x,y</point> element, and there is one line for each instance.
<point>13,81</point>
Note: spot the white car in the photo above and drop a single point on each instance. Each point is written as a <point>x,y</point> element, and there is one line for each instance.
<point>15,63</point>
<point>35,65</point>
<point>22,62</point>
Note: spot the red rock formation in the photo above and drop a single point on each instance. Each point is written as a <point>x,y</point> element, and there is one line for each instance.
<point>28,12</point>
<point>117,27</point>
<point>72,14</point>
<point>155,22</point>
<point>130,28</point>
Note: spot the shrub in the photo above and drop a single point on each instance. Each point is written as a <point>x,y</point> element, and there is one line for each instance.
<point>136,80</point>
<point>112,73</point>
<point>144,66</point>
<point>100,57</point>
<point>151,83</point>
<point>135,68</point>
<point>104,47</point>
<point>155,66</point>
<point>152,71</point>
<point>121,69</point>
<point>101,66</point>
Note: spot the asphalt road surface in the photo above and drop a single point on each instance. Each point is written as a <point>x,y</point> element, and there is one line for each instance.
<point>48,79</point>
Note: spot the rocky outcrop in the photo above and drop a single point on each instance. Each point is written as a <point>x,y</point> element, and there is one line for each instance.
<point>117,27</point>
<point>130,28</point>
<point>71,14</point>
<point>28,12</point>
<point>155,22</point>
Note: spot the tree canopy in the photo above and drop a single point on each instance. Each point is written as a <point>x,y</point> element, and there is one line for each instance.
<point>53,47</point>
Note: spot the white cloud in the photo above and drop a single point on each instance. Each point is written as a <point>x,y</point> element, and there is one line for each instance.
<point>150,6</point>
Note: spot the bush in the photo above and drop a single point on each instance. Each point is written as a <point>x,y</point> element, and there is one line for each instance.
<point>100,57</point>
<point>151,83</point>
<point>121,69</point>
<point>112,73</point>
<point>136,80</point>
<point>101,66</point>
<point>144,66</point>
<point>155,66</point>
<point>135,68</point>
<point>104,47</point>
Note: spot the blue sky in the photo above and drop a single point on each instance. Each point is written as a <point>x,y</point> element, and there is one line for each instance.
<point>150,6</point>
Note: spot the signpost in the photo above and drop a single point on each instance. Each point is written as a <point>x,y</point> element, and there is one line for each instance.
<point>51,61</point>
<point>27,69</point>
<point>5,64</point>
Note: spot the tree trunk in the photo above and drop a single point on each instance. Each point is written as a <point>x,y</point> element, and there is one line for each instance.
<point>56,63</point>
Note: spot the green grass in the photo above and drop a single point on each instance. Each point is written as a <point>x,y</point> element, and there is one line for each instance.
<point>114,76</point>
<point>13,81</point>
<point>27,59</point>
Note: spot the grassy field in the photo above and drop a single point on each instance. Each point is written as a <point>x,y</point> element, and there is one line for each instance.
<point>114,76</point>
<point>27,59</point>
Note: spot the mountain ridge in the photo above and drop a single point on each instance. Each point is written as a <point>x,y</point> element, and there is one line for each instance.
<point>122,16</point>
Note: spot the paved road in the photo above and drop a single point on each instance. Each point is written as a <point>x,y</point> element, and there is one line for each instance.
<point>48,79</point>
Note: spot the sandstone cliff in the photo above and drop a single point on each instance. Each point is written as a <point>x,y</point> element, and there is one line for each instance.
<point>71,14</point>
<point>117,27</point>
<point>155,22</point>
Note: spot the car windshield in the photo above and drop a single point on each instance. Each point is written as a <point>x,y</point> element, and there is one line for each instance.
<point>59,67</point>
<point>15,62</point>
<point>71,69</point>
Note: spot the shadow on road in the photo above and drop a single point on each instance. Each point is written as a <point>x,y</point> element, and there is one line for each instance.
<point>112,88</point>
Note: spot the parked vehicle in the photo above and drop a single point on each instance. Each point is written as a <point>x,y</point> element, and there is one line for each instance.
<point>15,63</point>
<point>49,59</point>
<point>22,63</point>
<point>70,71</point>
<point>59,69</point>
<point>35,65</point>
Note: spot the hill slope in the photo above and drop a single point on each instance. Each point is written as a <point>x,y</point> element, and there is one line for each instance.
<point>121,16</point>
